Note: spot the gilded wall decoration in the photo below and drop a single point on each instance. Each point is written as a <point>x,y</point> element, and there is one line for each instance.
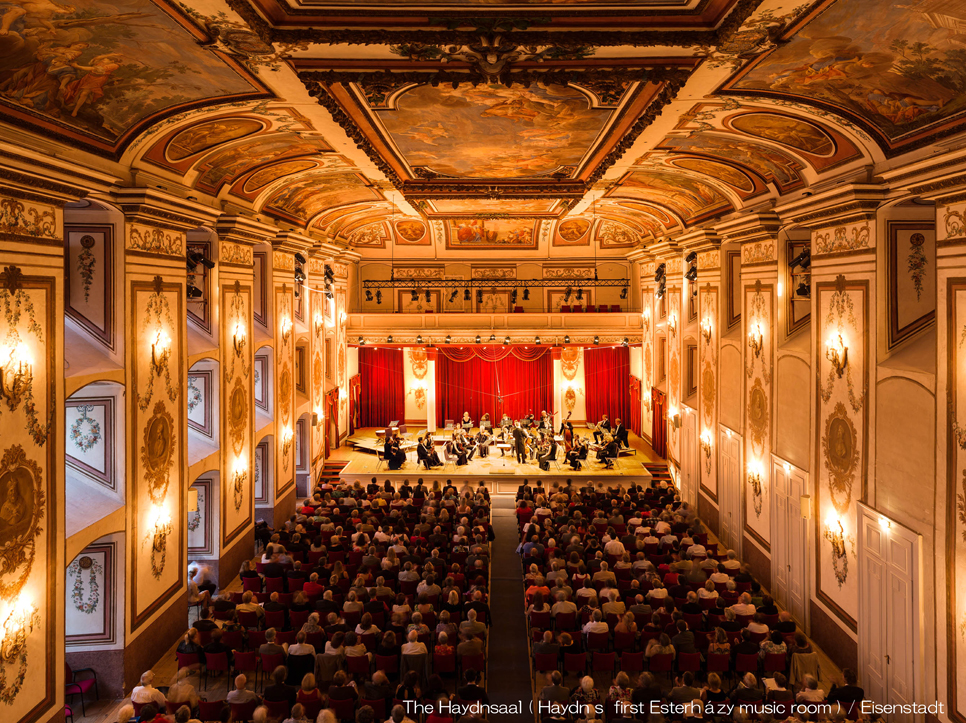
<point>236,254</point>
<point>504,272</point>
<point>86,261</point>
<point>840,447</point>
<point>911,278</point>
<point>86,604</point>
<point>841,316</point>
<point>418,272</point>
<point>18,307</point>
<point>843,238</point>
<point>568,273</point>
<point>156,326</point>
<point>27,219</point>
<point>238,415</point>
<point>22,502</point>
<point>285,389</point>
<point>707,350</point>
<point>14,649</point>
<point>283,261</point>
<point>709,260</point>
<point>954,224</point>
<point>757,253</point>
<point>916,262</point>
<point>758,416</point>
<point>238,324</point>
<point>155,241</point>
<point>157,452</point>
<point>758,318</point>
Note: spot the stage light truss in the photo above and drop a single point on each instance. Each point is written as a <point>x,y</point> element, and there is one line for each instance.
<point>561,283</point>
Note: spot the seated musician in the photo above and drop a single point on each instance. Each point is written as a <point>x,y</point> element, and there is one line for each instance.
<point>548,452</point>
<point>466,422</point>
<point>457,449</point>
<point>485,420</point>
<point>393,454</point>
<point>483,440</point>
<point>620,433</point>
<point>545,421</point>
<point>533,444</point>
<point>426,453</point>
<point>528,421</point>
<point>602,428</point>
<point>467,443</point>
<point>506,422</point>
<point>608,451</point>
<point>573,455</point>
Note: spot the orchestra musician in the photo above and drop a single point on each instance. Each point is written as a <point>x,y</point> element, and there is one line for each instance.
<point>545,421</point>
<point>485,420</point>
<point>620,433</point>
<point>506,422</point>
<point>469,446</point>
<point>519,443</point>
<point>466,422</point>
<point>457,449</point>
<point>608,451</point>
<point>483,440</point>
<point>393,454</point>
<point>602,429</point>
<point>548,453</point>
<point>426,453</point>
<point>528,421</point>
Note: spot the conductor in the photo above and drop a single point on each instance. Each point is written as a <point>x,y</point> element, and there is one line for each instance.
<point>518,443</point>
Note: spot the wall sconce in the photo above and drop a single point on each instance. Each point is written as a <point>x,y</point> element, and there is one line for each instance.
<point>16,374</point>
<point>158,531</point>
<point>319,324</point>
<point>755,474</point>
<point>287,436</point>
<point>160,351</point>
<point>238,479</point>
<point>239,338</point>
<point>648,403</point>
<point>787,467</point>
<point>317,417</point>
<point>885,523</point>
<point>728,432</point>
<point>837,353</point>
<point>706,330</point>
<point>756,337</point>
<point>706,440</point>
<point>674,417</point>
<point>16,629</point>
<point>286,327</point>
<point>343,317</point>
<point>672,323</point>
<point>343,394</point>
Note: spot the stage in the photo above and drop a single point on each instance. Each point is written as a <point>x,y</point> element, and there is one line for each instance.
<point>502,475</point>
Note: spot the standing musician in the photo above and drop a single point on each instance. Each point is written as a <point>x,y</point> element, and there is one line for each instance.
<point>620,433</point>
<point>483,440</point>
<point>519,443</point>
<point>393,454</point>
<point>426,453</point>
<point>602,429</point>
<point>548,452</point>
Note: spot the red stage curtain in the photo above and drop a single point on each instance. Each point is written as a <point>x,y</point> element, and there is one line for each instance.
<point>607,380</point>
<point>476,385</point>
<point>383,389</point>
<point>659,424</point>
<point>491,352</point>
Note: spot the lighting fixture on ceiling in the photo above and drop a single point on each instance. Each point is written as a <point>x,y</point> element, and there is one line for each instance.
<point>466,294</point>
<point>428,296</point>
<point>513,296</point>
<point>492,337</point>
<point>526,294</point>
<point>567,339</point>
<point>448,339</point>
<point>659,272</point>
<point>477,338</point>
<point>625,342</point>
<point>567,295</point>
<point>419,339</point>
<point>378,297</point>
<point>580,294</point>
<point>389,339</point>
<point>507,341</point>
<point>362,341</point>
<point>196,257</point>
<point>300,259</point>
<point>536,340</point>
<point>452,297</point>
<point>596,340</point>
<point>479,296</point>
<point>368,295</point>
<point>414,295</point>
<point>624,293</point>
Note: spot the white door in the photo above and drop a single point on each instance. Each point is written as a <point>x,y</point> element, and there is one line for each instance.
<point>797,548</point>
<point>689,457</point>
<point>779,528</point>
<point>729,488</point>
<point>889,631</point>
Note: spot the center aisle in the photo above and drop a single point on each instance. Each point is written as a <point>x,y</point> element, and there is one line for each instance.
<point>508,665</point>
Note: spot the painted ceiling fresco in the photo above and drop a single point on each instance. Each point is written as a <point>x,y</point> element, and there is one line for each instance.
<point>687,197</point>
<point>463,207</point>
<point>83,68</point>
<point>493,131</point>
<point>312,194</point>
<point>898,67</point>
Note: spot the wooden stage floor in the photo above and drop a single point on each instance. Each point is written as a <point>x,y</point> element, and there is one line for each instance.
<point>502,475</point>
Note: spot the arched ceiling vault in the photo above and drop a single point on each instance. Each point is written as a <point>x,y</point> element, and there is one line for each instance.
<point>374,124</point>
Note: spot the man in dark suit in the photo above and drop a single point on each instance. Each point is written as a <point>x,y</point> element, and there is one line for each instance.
<point>518,443</point>
<point>620,433</point>
<point>603,428</point>
<point>683,642</point>
<point>551,454</point>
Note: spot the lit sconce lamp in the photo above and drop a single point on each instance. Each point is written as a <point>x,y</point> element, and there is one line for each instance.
<point>787,467</point>
<point>287,436</point>
<point>755,475</point>
<point>837,353</point>
<point>16,374</point>
<point>319,324</point>
<point>728,432</point>
<point>286,328</point>
<point>885,523</point>
<point>342,317</point>
<point>158,531</point>
<point>672,323</point>
<point>706,440</point>
<point>239,338</point>
<point>343,394</point>
<point>16,629</point>
<point>160,351</point>
<point>756,337</point>
<point>835,534</point>
<point>238,479</point>
<point>706,330</point>
<point>318,416</point>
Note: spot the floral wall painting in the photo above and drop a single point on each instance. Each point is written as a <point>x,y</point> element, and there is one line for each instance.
<point>82,68</point>
<point>89,279</point>
<point>492,233</point>
<point>546,129</point>
<point>911,278</point>
<point>198,395</point>
<point>90,611</point>
<point>90,447</point>
<point>889,65</point>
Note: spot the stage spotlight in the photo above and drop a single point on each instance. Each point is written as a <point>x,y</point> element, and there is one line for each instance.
<point>513,296</point>
<point>477,338</point>
<point>691,274</point>
<point>804,290</point>
<point>362,341</point>
<point>479,296</point>
<point>691,257</point>
<point>196,257</point>
<point>624,293</point>
<point>193,292</point>
<point>328,275</point>
<point>452,297</point>
<point>507,341</point>
<point>536,340</point>
<point>299,276</point>
<point>300,258</point>
<point>368,295</point>
<point>567,339</point>
<point>625,342</point>
<point>378,297</point>
<point>659,274</point>
<point>448,339</point>
<point>389,339</point>
<point>526,294</point>
<point>419,339</point>
<point>492,337</point>
<point>466,294</point>
<point>428,296</point>
<point>414,295</point>
<point>804,259</point>
<point>596,340</point>
<point>567,295</point>
<point>580,294</point>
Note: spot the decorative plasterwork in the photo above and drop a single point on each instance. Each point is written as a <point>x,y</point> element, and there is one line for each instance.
<point>843,238</point>
<point>155,240</point>
<point>762,252</point>
<point>494,272</point>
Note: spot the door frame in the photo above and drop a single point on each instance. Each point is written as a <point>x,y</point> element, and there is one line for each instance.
<point>783,470</point>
